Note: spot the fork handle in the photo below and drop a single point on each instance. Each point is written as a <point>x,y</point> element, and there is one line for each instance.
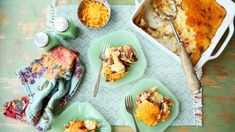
<point>97,81</point>
<point>136,126</point>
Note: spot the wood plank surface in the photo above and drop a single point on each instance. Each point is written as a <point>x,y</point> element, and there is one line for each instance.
<point>21,19</point>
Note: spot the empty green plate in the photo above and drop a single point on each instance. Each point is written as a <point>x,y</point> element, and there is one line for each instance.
<point>116,39</point>
<point>80,111</point>
<point>143,85</point>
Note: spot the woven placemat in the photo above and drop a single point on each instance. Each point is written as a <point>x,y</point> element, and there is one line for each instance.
<point>160,66</point>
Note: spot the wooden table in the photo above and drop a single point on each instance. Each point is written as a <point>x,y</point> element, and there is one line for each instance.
<point>21,19</point>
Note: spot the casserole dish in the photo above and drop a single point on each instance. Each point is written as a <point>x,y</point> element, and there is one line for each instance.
<point>227,23</point>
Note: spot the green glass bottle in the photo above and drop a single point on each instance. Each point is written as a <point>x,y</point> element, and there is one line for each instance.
<point>65,29</point>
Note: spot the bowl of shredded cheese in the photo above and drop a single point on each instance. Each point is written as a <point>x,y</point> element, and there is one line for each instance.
<point>94,13</point>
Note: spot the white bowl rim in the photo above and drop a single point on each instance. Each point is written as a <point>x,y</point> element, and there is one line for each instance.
<point>105,3</point>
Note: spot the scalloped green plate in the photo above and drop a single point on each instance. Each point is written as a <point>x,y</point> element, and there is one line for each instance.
<point>80,111</point>
<point>116,39</point>
<point>143,85</point>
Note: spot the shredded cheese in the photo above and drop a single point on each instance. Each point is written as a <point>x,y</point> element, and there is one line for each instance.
<point>94,14</point>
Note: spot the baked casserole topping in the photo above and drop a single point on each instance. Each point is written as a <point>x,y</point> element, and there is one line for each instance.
<point>196,23</point>
<point>81,126</point>
<point>118,62</point>
<point>153,107</point>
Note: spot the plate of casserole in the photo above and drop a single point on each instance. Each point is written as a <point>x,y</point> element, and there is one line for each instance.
<point>199,23</point>
<point>82,117</point>
<point>125,58</point>
<point>155,107</point>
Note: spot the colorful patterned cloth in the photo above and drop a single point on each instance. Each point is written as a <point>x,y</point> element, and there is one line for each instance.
<point>49,83</point>
<point>16,109</point>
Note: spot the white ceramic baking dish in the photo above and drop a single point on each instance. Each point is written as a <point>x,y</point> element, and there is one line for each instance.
<point>207,55</point>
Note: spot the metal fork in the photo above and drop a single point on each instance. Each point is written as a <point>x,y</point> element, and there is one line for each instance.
<point>103,58</point>
<point>130,109</point>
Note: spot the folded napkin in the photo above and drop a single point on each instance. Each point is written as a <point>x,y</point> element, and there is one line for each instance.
<point>49,82</point>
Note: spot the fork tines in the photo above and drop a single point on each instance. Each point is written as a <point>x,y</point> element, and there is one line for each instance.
<point>104,47</point>
<point>129,101</point>
<point>130,109</point>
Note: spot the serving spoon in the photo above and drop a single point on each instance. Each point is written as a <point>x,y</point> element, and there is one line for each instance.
<point>167,10</point>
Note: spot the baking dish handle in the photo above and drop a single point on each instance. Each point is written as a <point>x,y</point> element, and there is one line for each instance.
<point>230,34</point>
<point>137,2</point>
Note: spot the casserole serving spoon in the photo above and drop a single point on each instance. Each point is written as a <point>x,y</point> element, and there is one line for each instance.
<point>167,10</point>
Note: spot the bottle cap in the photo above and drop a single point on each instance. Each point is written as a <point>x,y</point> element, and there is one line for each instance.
<point>41,39</point>
<point>61,24</point>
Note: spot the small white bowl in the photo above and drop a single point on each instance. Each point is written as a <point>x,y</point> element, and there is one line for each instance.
<point>104,2</point>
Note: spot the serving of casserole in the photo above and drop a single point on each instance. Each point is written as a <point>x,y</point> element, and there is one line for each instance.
<point>199,23</point>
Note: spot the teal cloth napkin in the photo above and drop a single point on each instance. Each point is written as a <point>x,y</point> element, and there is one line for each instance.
<point>49,82</point>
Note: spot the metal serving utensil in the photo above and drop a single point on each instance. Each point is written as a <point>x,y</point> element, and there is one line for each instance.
<point>130,109</point>
<point>103,58</point>
<point>167,10</point>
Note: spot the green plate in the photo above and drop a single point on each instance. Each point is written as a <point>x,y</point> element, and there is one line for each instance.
<point>116,39</point>
<point>143,85</point>
<point>80,111</point>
